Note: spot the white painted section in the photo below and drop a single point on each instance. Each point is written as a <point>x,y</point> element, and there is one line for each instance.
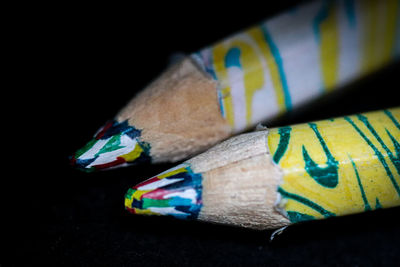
<point>350,48</point>
<point>298,47</point>
<point>236,81</point>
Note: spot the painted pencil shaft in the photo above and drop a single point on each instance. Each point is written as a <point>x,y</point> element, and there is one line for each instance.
<point>268,179</point>
<point>300,55</point>
<point>251,77</point>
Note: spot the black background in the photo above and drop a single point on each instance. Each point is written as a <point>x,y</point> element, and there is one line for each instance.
<point>79,65</point>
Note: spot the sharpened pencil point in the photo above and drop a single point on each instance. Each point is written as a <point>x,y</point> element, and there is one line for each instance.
<point>175,192</point>
<point>114,145</point>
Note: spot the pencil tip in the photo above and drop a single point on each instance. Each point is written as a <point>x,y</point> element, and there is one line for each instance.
<point>175,192</point>
<point>116,144</point>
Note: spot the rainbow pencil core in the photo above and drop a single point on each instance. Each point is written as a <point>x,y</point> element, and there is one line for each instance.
<point>113,145</point>
<point>175,192</point>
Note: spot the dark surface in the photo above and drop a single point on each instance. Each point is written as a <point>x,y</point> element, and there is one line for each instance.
<point>86,63</point>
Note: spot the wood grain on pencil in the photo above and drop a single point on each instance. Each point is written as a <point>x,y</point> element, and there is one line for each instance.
<point>187,117</point>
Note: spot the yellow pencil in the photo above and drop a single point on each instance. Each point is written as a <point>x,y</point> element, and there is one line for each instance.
<point>270,69</point>
<point>272,178</point>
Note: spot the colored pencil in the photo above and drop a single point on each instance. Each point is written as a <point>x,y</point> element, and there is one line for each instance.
<point>272,178</point>
<point>254,76</point>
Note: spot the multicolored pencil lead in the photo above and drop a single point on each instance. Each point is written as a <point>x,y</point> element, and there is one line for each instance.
<point>175,192</point>
<point>113,145</point>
